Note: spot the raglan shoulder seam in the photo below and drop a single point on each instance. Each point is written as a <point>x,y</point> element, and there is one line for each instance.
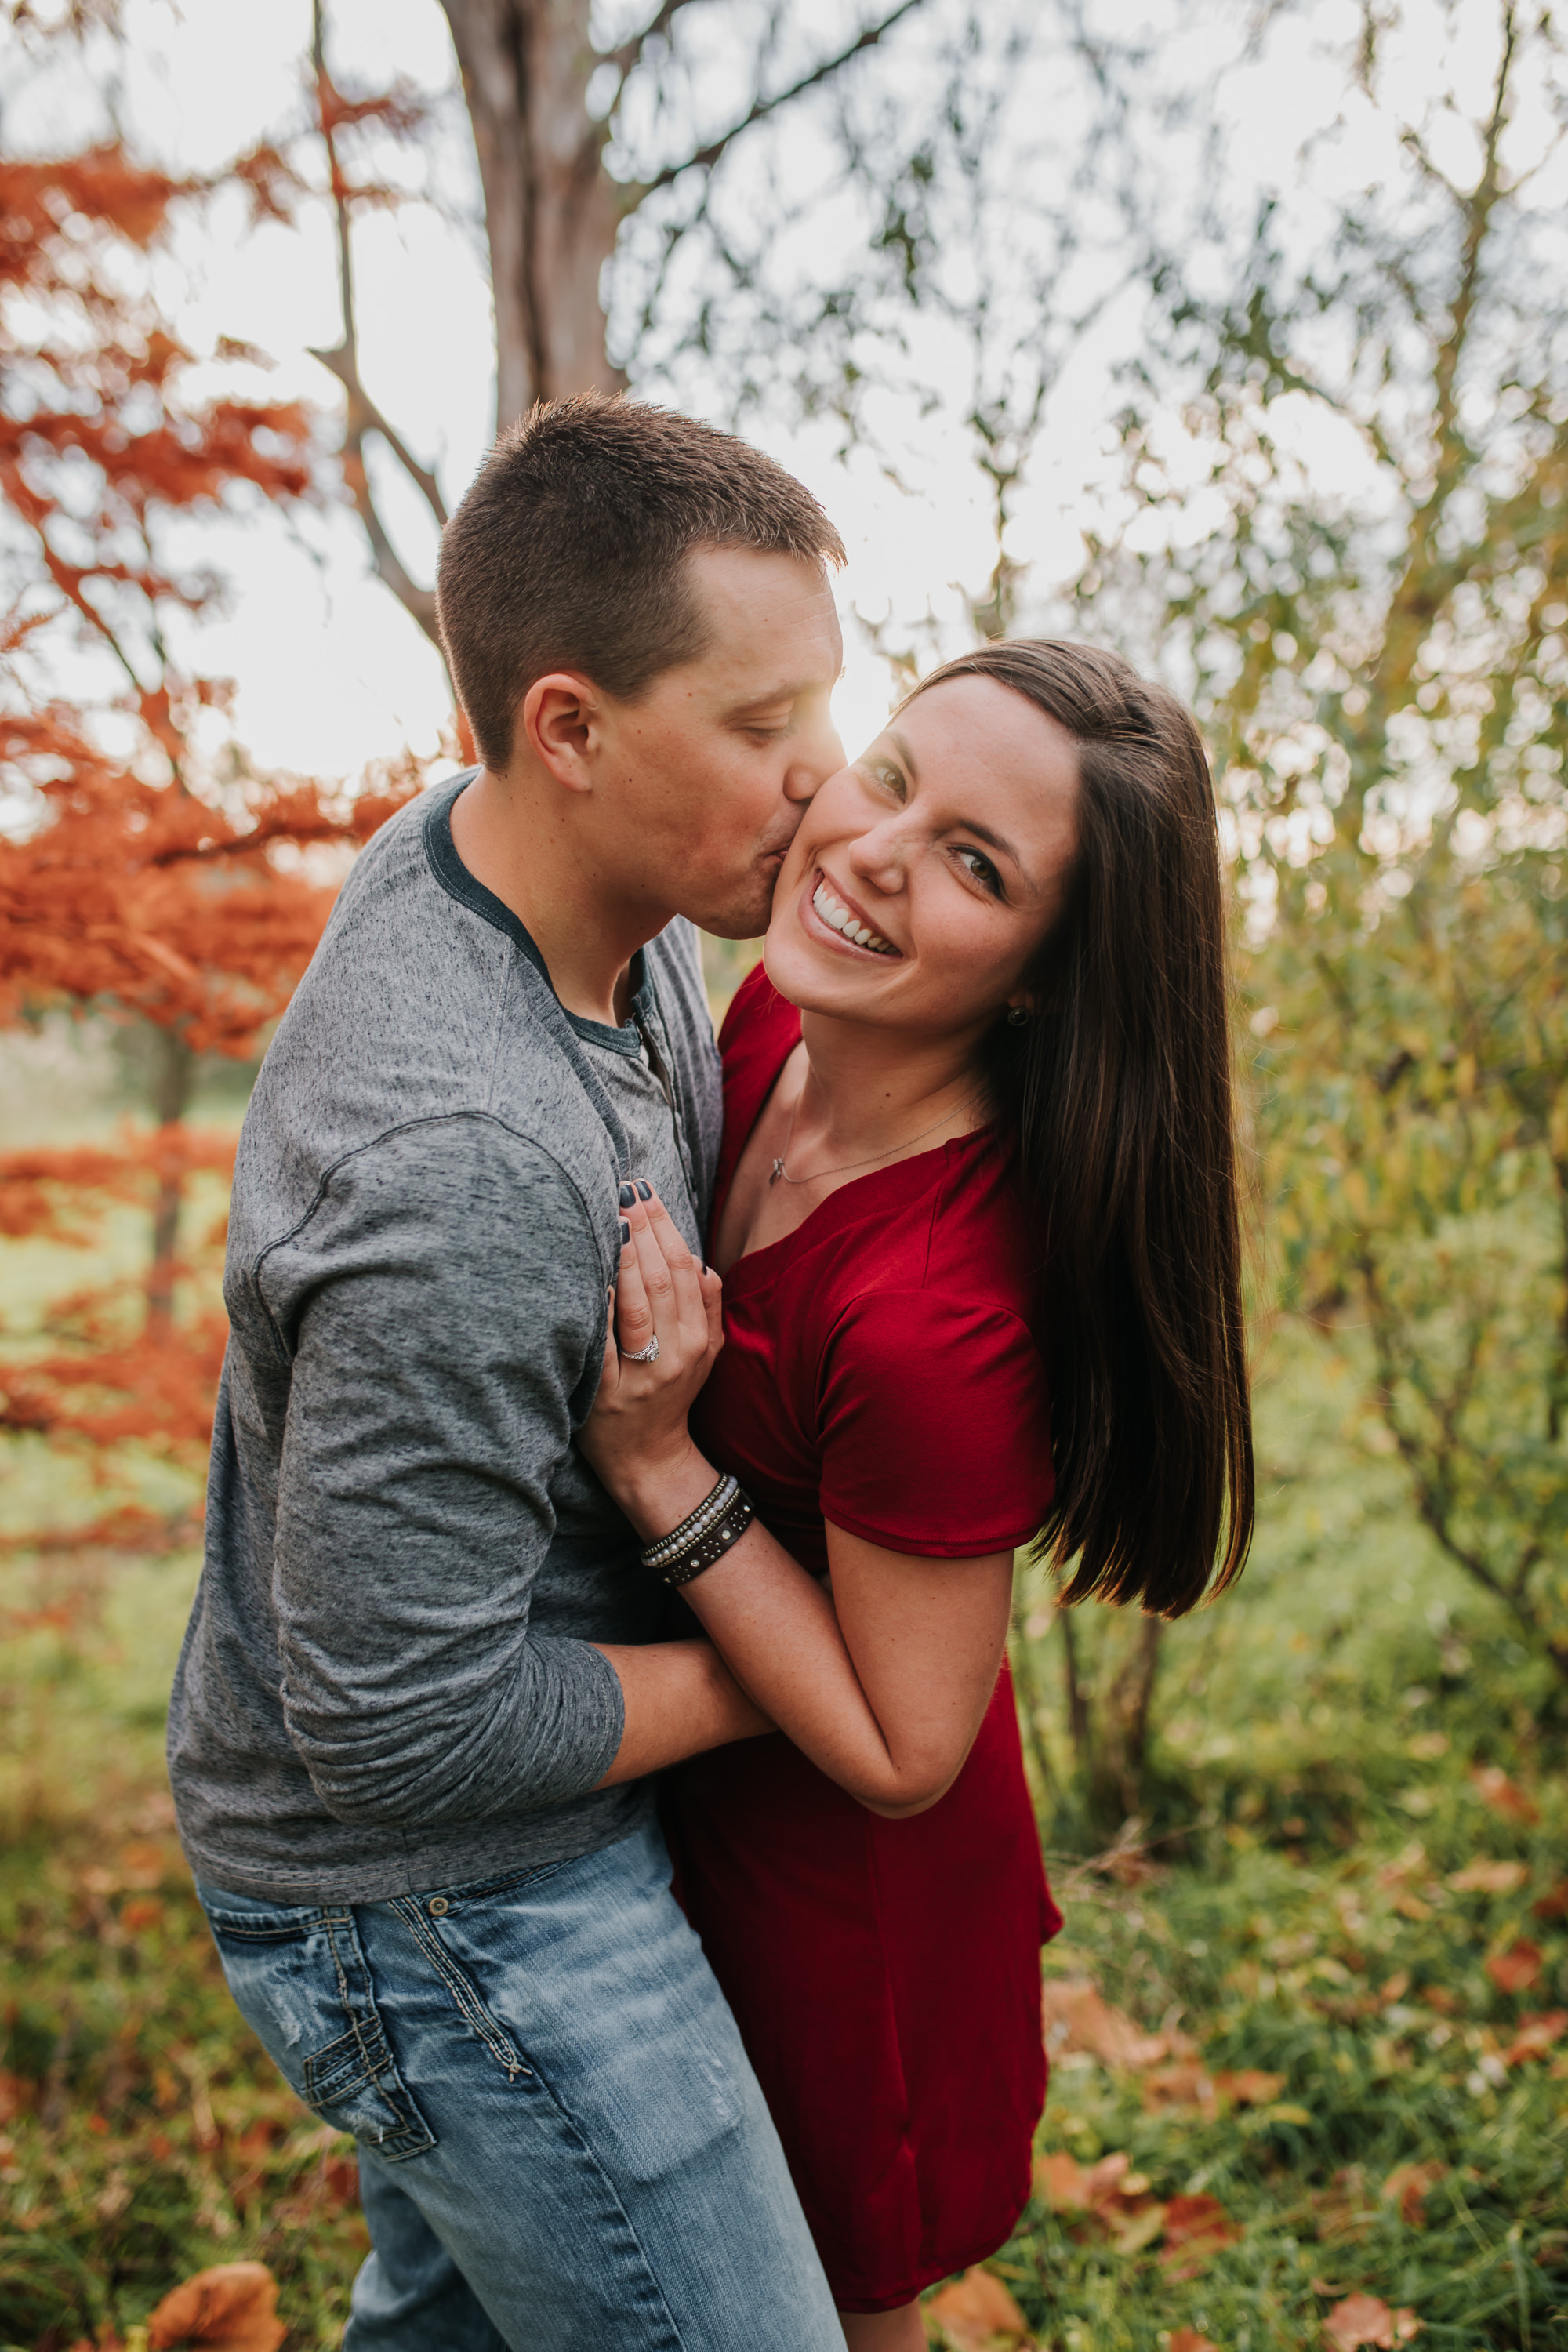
<point>373,1143</point>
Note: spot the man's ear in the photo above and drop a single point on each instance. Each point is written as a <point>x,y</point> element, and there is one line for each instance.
<point>561,720</point>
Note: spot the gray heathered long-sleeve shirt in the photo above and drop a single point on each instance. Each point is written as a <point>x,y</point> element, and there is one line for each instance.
<point>386,1683</point>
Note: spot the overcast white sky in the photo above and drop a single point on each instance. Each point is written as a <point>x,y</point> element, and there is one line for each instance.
<point>330,671</point>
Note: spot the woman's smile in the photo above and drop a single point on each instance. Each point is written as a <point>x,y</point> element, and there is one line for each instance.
<point>839,921</point>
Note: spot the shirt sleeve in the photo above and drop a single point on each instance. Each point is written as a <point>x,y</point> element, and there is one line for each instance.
<point>449,1314</point>
<point>934,1425</point>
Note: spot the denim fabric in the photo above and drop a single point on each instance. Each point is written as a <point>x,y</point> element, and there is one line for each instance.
<point>562,2145</point>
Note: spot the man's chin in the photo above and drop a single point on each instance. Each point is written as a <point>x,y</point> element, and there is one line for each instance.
<point>746,915</point>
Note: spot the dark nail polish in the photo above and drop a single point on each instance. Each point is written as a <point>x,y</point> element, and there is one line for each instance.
<point>625,1233</point>
<point>628,1194</point>
<point>645,1192</point>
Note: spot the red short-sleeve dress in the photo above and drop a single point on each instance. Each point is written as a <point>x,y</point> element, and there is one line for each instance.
<point>880,1372</point>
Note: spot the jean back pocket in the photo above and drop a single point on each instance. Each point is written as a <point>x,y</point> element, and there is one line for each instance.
<point>298,1976</point>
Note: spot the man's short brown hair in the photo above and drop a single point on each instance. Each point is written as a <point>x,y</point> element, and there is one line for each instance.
<point>569,552</point>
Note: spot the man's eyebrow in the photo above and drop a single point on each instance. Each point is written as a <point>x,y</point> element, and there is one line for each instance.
<point>791,691</point>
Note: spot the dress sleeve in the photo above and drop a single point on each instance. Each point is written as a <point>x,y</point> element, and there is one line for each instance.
<point>934,1425</point>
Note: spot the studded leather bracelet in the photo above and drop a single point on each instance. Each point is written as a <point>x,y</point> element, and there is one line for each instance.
<point>720,1521</point>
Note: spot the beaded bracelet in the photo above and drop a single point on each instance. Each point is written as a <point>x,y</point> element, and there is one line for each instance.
<point>720,1521</point>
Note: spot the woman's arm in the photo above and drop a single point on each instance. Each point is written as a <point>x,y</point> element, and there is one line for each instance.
<point>883,1685</point>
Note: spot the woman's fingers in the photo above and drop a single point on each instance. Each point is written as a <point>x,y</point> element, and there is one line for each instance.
<point>685,1281</point>
<point>633,1317</point>
<point>713,1305</point>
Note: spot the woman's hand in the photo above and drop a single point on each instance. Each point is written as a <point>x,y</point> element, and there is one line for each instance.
<point>635,1436</point>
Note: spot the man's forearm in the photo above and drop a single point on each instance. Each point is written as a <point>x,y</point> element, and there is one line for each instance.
<point>680,1699</point>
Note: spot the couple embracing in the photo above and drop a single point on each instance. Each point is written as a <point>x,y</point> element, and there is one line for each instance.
<point>593,1740</point>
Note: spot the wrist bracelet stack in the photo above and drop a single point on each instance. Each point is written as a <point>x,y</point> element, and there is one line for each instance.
<point>719,1521</point>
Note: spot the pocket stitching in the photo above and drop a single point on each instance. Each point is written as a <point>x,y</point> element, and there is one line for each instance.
<point>470,2003</point>
<point>364,2033</point>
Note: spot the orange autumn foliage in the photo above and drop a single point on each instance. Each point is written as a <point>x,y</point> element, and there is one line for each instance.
<point>233,2307</point>
<point>145,874</point>
<point>234,2304</point>
<point>1366,2319</point>
<point>977,2314</point>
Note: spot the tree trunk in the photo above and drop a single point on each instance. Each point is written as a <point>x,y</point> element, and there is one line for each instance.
<point>551,211</point>
<point>1109,1723</point>
<point>172,1064</point>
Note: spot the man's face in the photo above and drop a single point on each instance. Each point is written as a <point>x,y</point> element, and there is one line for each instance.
<point>707,775</point>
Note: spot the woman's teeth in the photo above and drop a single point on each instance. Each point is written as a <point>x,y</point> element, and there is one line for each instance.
<point>840,919</point>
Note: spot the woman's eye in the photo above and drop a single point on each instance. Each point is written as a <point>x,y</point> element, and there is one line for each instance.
<point>888,773</point>
<point>975,862</point>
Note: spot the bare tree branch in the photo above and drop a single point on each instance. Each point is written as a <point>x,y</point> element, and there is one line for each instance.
<point>706,157</point>
<point>362,414</point>
<point>631,53</point>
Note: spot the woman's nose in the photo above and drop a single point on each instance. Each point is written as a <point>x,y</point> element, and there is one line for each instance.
<point>877,859</point>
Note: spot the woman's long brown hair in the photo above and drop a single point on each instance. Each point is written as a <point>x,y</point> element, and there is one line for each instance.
<point>1119,1089</point>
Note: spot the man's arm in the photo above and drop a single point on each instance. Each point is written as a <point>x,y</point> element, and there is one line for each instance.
<point>450,1283</point>
<point>679,1699</point>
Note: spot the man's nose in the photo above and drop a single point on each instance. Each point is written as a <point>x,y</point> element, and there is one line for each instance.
<point>820,755</point>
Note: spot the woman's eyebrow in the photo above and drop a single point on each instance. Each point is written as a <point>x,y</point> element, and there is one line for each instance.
<point>967,825</point>
<point>996,840</point>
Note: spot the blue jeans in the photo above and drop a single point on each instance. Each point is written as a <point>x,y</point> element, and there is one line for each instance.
<point>562,2145</point>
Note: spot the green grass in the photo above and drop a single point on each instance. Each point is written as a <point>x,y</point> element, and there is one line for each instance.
<point>1310,1796</point>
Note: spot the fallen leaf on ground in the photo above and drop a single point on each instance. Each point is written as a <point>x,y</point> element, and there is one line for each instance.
<point>1187,2339</point>
<point>1195,2230</point>
<point>1187,2084</point>
<point>1407,2187</point>
<point>1537,2032</point>
<point>1346,2210</point>
<point>1249,2087</point>
<point>1073,2016</point>
<point>976,2312</point>
<point>1488,1878</point>
<point>1520,1966</point>
<point>1366,2319</point>
<point>1503,1795</point>
<point>17,2094</point>
<point>1068,2186</point>
<point>1553,1904</point>
<point>233,2307</point>
<point>1113,2200</point>
<point>1135,2225</point>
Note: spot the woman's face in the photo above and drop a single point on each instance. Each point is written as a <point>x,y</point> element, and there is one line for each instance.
<point>925,875</point>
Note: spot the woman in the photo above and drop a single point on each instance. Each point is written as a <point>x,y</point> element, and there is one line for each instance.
<point>978,1128</point>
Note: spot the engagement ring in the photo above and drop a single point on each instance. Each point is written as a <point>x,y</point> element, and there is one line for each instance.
<point>648,1355</point>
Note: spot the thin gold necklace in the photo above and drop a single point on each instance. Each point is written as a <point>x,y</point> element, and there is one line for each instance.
<point>844,1167</point>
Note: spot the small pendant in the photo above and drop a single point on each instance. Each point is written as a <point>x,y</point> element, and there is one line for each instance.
<point>777,1172</point>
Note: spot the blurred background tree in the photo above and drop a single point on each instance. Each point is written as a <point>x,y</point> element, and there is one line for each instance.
<point>1384,678</point>
<point>148,876</point>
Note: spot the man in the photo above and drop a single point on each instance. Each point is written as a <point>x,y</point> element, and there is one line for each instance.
<point>422,1687</point>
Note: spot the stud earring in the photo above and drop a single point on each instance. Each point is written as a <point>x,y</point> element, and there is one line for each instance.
<point>1017,1016</point>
